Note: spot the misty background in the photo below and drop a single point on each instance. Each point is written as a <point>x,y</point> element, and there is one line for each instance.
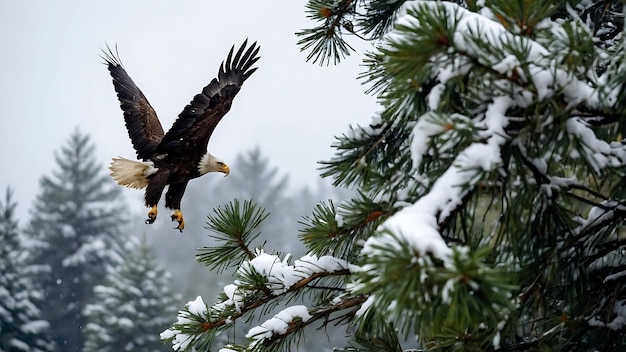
<point>53,81</point>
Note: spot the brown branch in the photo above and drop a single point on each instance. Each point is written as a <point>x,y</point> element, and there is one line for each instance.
<point>379,139</point>
<point>269,297</point>
<point>339,12</point>
<point>322,313</point>
<point>241,244</point>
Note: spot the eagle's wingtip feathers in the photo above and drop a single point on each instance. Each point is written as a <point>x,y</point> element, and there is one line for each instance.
<point>111,58</point>
<point>243,61</point>
<point>239,62</point>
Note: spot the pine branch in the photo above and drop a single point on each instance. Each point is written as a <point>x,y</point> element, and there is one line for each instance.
<point>325,40</point>
<point>379,16</point>
<point>234,227</point>
<point>277,341</point>
<point>265,298</point>
<point>362,157</point>
<point>385,340</point>
<point>259,282</point>
<point>332,232</point>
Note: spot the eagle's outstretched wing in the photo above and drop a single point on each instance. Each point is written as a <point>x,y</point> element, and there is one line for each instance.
<point>142,123</point>
<point>196,122</point>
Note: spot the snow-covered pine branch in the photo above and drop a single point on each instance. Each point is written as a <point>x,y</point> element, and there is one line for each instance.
<point>259,281</point>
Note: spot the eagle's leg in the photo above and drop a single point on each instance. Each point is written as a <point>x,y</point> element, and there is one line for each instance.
<point>152,214</point>
<point>172,201</point>
<point>178,216</point>
<point>155,188</point>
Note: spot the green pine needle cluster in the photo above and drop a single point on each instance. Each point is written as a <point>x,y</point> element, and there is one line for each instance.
<point>234,227</point>
<point>326,39</point>
<point>340,232</point>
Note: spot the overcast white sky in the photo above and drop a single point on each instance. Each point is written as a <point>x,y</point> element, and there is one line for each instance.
<point>53,80</point>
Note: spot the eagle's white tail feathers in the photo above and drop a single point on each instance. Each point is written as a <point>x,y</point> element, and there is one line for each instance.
<point>132,173</point>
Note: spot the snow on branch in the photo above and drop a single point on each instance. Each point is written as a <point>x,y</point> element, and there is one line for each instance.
<point>599,215</point>
<point>258,281</point>
<point>280,276</point>
<point>471,29</point>
<point>183,334</point>
<point>618,322</point>
<point>84,252</point>
<point>297,317</point>
<point>537,75</point>
<point>418,224</point>
<point>279,324</point>
<point>598,153</point>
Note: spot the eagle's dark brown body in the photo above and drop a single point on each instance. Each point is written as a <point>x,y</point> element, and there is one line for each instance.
<point>175,157</point>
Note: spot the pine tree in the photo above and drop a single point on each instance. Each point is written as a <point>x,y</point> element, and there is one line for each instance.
<point>75,232</point>
<point>501,146</point>
<point>21,325</point>
<point>491,199</point>
<point>133,306</point>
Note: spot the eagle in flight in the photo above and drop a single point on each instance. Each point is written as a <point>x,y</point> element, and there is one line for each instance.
<point>175,157</point>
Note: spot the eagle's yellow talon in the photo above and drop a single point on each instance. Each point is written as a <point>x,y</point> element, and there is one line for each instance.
<point>152,214</point>
<point>178,216</point>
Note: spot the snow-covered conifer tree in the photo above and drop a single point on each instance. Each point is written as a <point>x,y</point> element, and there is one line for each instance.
<point>75,231</point>
<point>132,307</point>
<point>491,189</point>
<point>21,325</point>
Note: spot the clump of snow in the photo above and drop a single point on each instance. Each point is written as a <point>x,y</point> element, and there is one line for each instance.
<point>197,307</point>
<point>448,287</point>
<point>496,341</point>
<point>614,276</point>
<point>281,276</point>
<point>84,252</point>
<point>366,305</point>
<point>18,345</point>
<point>422,131</point>
<point>226,349</point>
<point>279,324</point>
<point>619,308</point>
<point>35,326</point>
<point>311,264</point>
<point>598,153</point>
<point>168,334</point>
<point>125,323</point>
<point>235,298</point>
<point>180,340</point>
<point>597,214</point>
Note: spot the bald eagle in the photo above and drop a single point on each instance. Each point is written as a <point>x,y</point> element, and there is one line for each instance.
<point>175,157</point>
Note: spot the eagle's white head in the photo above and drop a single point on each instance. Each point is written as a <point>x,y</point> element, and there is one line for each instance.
<point>211,163</point>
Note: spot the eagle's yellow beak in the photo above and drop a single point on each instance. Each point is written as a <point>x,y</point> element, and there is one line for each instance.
<point>225,169</point>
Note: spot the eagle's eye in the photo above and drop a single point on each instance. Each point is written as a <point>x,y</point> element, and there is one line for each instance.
<point>220,163</point>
